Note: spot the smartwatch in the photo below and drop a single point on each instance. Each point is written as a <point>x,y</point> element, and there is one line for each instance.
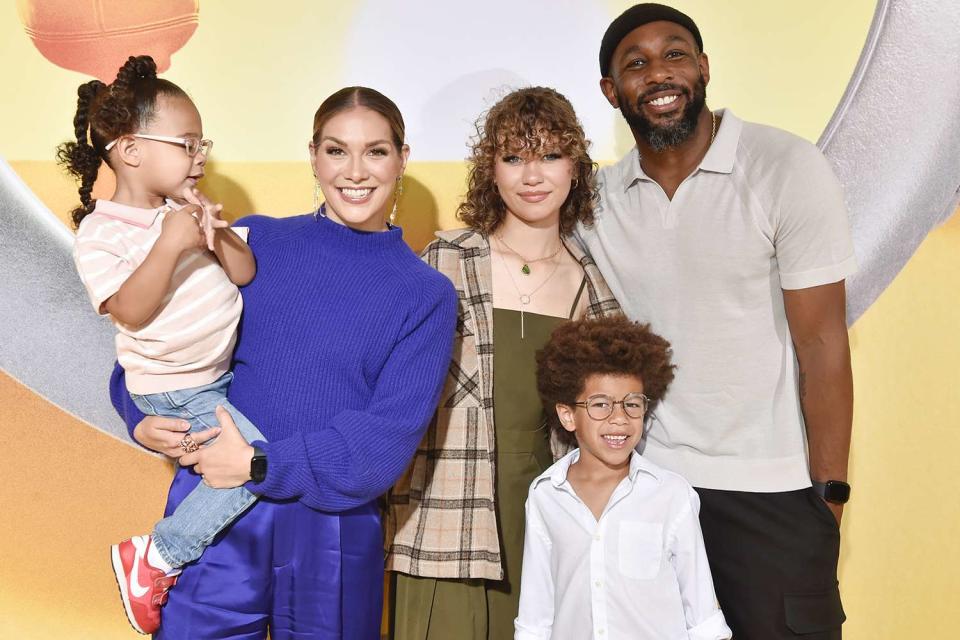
<point>835,491</point>
<point>258,465</point>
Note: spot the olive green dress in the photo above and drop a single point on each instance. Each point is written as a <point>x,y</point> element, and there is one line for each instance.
<point>441,609</point>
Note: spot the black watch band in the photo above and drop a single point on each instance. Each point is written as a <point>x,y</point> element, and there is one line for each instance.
<point>835,491</point>
<point>258,465</point>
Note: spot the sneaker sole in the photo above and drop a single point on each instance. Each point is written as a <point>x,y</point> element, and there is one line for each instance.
<point>119,574</point>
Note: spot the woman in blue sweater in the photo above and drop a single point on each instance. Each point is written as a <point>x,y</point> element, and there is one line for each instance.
<point>344,343</point>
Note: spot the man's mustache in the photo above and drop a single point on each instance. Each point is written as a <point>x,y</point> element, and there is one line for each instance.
<point>664,86</point>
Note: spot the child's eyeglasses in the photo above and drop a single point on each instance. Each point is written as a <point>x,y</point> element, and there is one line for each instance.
<point>600,406</point>
<point>193,146</point>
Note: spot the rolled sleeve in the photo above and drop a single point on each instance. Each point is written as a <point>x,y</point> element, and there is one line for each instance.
<point>528,634</point>
<point>704,619</point>
<point>713,628</point>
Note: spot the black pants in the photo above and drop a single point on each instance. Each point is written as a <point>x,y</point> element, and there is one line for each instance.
<point>774,563</point>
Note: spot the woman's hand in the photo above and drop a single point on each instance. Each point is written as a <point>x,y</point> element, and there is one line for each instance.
<point>224,464</point>
<point>165,435</point>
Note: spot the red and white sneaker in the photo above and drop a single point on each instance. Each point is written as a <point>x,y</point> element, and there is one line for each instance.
<point>143,587</point>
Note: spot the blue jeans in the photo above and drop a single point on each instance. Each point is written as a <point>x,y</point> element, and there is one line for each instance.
<point>182,536</point>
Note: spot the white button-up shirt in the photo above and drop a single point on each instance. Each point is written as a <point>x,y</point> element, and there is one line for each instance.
<point>639,572</point>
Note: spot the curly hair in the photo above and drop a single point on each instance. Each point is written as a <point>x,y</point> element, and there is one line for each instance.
<point>106,112</point>
<point>613,346</point>
<point>530,120</point>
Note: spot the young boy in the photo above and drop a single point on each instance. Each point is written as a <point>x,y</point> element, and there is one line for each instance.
<point>613,548</point>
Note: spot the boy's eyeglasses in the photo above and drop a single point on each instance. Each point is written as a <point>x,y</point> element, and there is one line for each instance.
<point>600,406</point>
<point>193,146</point>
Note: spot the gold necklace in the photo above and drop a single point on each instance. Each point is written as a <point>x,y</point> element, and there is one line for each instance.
<point>526,298</point>
<point>525,269</point>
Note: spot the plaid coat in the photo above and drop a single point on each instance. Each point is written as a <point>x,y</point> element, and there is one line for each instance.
<point>440,519</point>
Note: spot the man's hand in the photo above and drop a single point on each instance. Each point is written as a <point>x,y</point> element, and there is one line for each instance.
<point>837,510</point>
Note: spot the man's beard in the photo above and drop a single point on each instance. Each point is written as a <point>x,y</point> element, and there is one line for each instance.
<point>661,137</point>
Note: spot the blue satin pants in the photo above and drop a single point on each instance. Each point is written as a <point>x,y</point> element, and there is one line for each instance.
<point>282,567</point>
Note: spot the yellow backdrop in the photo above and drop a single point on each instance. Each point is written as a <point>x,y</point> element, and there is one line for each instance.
<point>257,73</point>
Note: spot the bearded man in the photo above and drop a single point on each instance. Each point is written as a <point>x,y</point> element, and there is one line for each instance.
<point>732,240</point>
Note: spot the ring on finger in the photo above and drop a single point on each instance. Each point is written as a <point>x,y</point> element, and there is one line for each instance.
<point>187,444</point>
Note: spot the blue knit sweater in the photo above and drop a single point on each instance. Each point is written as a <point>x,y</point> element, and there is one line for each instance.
<point>343,347</point>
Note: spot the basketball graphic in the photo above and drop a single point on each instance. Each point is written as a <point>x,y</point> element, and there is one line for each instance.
<point>95,37</point>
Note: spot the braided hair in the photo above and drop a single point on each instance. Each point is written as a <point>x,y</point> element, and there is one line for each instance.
<point>106,112</point>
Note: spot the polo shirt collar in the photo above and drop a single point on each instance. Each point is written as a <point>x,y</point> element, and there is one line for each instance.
<point>722,153</point>
<point>557,474</point>
<point>630,169</point>
<point>718,159</point>
<point>132,215</point>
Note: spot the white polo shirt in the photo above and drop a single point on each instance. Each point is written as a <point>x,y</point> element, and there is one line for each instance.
<point>763,212</point>
<point>640,572</point>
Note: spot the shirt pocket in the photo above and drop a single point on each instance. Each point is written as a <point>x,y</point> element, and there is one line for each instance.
<point>641,549</point>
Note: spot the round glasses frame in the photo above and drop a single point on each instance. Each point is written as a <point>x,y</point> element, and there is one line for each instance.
<point>600,406</point>
<point>192,146</point>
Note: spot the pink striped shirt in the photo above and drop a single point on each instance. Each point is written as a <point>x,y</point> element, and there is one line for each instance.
<point>189,341</point>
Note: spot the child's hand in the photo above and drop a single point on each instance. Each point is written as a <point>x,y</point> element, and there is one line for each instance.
<point>210,220</point>
<point>181,229</point>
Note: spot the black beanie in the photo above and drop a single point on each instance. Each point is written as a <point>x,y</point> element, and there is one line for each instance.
<point>637,16</point>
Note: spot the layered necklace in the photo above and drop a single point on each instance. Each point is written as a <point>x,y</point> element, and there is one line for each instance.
<point>526,298</point>
<point>525,269</point>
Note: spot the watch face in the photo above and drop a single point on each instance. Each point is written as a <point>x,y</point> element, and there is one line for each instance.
<point>836,491</point>
<point>258,469</point>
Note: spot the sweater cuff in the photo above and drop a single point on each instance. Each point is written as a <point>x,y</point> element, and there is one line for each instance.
<point>288,471</point>
<point>123,403</point>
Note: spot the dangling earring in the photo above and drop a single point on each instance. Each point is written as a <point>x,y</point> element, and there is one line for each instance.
<point>316,196</point>
<point>399,192</point>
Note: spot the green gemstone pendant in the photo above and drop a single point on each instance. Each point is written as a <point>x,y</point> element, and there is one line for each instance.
<point>525,270</point>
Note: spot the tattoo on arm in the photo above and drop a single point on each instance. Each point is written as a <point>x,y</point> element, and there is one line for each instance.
<point>803,384</point>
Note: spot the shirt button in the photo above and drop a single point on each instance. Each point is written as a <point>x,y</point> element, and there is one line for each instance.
<point>596,537</point>
<point>597,583</point>
<point>600,632</point>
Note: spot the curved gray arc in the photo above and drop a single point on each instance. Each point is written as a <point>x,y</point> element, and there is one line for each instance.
<point>894,140</point>
<point>52,341</point>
